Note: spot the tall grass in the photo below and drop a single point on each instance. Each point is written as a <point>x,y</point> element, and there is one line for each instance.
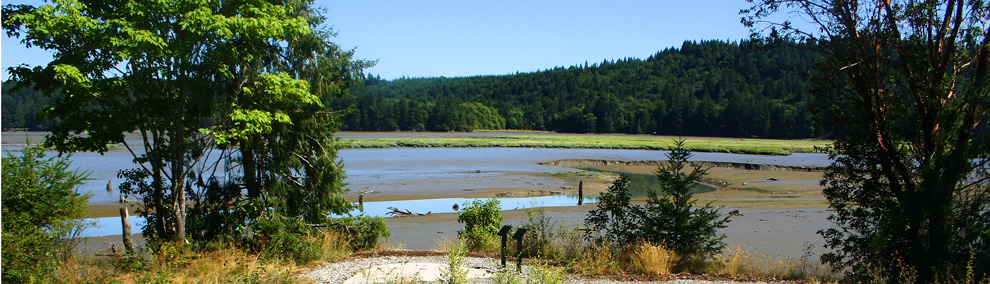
<point>652,259</point>
<point>218,264</point>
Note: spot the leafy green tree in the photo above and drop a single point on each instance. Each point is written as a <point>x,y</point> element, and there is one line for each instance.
<point>905,85</point>
<point>41,214</point>
<point>248,80</point>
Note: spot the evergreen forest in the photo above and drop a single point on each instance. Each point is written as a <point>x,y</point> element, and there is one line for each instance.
<point>707,88</point>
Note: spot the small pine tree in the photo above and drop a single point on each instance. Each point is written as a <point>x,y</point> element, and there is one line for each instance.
<point>670,217</point>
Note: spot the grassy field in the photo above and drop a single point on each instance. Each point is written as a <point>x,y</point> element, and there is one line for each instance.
<point>739,145</point>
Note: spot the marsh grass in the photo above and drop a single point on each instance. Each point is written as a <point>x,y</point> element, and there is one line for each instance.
<point>741,146</point>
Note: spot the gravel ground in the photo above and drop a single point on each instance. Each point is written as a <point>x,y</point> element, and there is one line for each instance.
<point>339,271</point>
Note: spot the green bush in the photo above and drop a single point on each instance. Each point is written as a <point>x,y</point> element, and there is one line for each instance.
<point>363,232</point>
<point>482,219</point>
<point>276,236</point>
<point>41,212</point>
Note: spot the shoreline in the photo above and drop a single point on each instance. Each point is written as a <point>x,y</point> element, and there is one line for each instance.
<point>525,139</point>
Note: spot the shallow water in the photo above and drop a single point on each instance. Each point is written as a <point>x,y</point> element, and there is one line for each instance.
<point>418,169</point>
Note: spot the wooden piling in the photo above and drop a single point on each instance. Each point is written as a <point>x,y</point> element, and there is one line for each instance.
<point>125,222</point>
<point>580,193</point>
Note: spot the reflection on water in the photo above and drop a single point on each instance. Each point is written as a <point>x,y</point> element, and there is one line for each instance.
<point>445,205</point>
<point>110,226</point>
<point>640,185</point>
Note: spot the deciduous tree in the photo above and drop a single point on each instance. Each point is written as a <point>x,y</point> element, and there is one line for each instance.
<point>905,85</point>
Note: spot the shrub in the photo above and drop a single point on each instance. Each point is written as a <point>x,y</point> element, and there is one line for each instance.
<point>278,236</point>
<point>363,232</point>
<point>482,219</point>
<point>40,214</point>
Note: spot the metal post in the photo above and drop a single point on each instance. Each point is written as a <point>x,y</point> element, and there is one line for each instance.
<point>518,236</point>
<point>504,232</point>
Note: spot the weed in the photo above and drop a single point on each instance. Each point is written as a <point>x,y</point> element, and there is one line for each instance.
<point>598,260</point>
<point>455,272</point>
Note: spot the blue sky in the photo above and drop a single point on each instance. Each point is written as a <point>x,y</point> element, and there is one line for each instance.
<point>433,38</point>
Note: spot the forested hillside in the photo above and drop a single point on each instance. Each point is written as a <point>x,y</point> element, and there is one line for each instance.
<point>21,107</point>
<point>709,88</point>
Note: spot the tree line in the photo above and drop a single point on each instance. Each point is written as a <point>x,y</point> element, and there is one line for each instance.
<point>707,88</point>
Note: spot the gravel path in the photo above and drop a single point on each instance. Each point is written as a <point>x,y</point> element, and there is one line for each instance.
<point>339,271</point>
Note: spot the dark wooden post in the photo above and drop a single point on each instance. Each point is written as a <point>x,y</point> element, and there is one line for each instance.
<point>125,222</point>
<point>580,193</point>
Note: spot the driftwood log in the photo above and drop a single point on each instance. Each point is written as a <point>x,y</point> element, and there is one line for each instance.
<point>397,212</point>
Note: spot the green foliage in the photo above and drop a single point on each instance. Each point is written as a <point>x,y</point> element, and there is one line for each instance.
<point>21,108</point>
<point>455,272</point>
<point>613,220</point>
<point>275,236</point>
<point>364,232</point>
<point>278,236</point>
<point>41,212</point>
<point>906,87</point>
<point>245,81</point>
<point>669,218</point>
<point>707,88</point>
<point>482,219</point>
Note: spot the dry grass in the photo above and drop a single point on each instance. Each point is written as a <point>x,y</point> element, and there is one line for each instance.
<point>598,260</point>
<point>333,245</point>
<point>740,262</point>
<point>652,259</point>
<point>220,265</point>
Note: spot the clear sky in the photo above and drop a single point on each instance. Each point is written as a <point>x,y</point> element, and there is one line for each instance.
<point>432,38</point>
